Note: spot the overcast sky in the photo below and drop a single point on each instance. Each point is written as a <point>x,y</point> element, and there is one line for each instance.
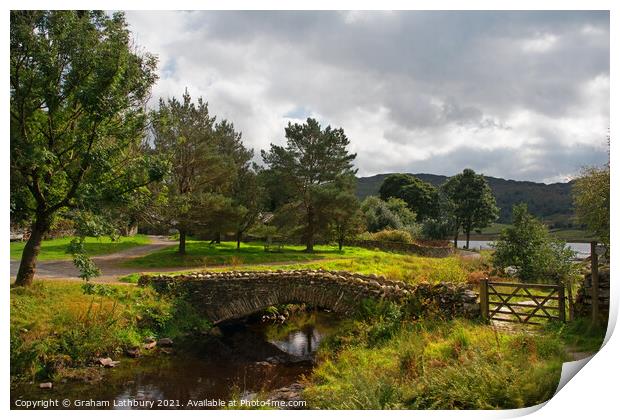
<point>511,94</point>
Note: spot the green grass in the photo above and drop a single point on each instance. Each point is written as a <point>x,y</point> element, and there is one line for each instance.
<point>56,249</point>
<point>202,253</point>
<point>397,266</point>
<point>57,329</point>
<point>579,334</point>
<point>434,364</point>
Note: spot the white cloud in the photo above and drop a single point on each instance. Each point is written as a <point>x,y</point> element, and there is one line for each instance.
<point>513,94</point>
<point>540,43</point>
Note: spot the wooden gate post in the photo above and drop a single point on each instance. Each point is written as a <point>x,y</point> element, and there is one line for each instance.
<point>594,268</point>
<point>561,303</point>
<point>484,299</point>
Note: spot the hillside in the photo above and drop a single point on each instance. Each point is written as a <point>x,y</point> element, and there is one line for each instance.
<point>550,202</point>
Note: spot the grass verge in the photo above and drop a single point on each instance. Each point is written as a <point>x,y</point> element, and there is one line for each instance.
<point>387,361</point>
<point>56,249</point>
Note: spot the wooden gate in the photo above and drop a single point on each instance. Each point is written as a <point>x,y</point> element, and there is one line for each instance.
<point>497,302</point>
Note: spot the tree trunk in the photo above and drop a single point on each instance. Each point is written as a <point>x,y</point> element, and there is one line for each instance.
<point>238,240</point>
<point>467,239</point>
<point>218,238</point>
<point>340,244</point>
<point>28,263</point>
<point>456,238</point>
<point>182,235</point>
<point>310,231</point>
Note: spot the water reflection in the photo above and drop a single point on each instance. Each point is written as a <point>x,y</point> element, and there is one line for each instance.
<point>244,361</point>
<point>300,343</point>
<point>582,249</point>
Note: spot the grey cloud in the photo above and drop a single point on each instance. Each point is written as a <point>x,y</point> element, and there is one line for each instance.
<point>428,79</point>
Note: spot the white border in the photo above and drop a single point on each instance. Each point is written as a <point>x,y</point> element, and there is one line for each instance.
<point>591,395</point>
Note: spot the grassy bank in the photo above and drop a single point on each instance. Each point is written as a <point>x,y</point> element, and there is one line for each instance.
<point>398,266</point>
<point>56,249</point>
<point>388,361</point>
<point>58,327</point>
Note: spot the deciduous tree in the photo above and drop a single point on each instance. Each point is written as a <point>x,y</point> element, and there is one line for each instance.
<point>473,202</point>
<point>78,90</point>
<point>421,197</point>
<point>591,193</point>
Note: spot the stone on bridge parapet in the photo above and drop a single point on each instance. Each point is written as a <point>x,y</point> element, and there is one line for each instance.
<point>235,294</point>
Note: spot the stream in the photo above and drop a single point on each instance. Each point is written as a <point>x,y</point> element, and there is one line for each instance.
<point>247,361</point>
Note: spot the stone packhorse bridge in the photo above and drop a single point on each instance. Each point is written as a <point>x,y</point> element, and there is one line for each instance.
<point>229,295</point>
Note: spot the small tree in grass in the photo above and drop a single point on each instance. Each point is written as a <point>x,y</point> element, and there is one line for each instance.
<point>390,214</point>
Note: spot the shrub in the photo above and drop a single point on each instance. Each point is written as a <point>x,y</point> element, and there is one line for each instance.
<point>406,235</point>
<point>393,235</point>
<point>528,247</point>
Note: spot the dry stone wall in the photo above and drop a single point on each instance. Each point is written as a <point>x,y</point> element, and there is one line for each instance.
<point>229,295</point>
<point>583,300</point>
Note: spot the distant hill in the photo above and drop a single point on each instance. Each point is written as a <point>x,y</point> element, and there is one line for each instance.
<point>550,202</point>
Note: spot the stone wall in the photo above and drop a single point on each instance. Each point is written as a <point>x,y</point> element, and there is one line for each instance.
<point>229,295</point>
<point>583,300</point>
<point>423,250</point>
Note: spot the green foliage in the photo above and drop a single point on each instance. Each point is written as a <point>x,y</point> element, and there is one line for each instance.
<point>315,166</point>
<point>472,203</point>
<point>581,333</point>
<point>84,264</point>
<point>527,246</point>
<point>591,193</point>
<point>78,90</point>
<point>421,197</point>
<point>437,229</point>
<point>347,219</point>
<point>391,214</point>
<point>445,223</point>
<point>249,195</point>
